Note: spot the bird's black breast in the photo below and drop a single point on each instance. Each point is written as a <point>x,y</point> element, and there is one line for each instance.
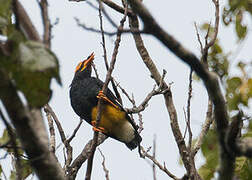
<point>83,96</point>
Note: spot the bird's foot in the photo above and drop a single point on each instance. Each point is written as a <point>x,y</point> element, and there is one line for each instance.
<point>101,95</point>
<point>97,129</point>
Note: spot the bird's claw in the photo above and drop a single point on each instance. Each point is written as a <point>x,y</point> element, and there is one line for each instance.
<point>97,129</point>
<point>101,95</point>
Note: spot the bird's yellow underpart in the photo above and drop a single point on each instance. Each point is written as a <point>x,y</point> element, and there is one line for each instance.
<point>114,123</point>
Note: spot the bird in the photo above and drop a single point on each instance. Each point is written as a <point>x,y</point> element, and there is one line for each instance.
<point>85,91</point>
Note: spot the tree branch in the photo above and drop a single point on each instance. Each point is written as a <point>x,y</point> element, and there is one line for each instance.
<point>104,89</point>
<point>46,22</point>
<point>34,139</point>
<point>167,96</point>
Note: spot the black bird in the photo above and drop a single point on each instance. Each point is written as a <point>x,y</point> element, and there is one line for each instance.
<point>84,94</point>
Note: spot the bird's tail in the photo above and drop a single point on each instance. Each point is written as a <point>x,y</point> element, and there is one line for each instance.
<point>135,142</point>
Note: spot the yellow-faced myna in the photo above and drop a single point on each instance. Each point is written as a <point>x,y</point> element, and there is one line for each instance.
<point>84,94</point>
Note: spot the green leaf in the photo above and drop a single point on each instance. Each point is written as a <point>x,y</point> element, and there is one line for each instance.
<point>37,67</point>
<point>241,30</point>
<point>243,168</point>
<point>26,168</point>
<point>5,8</point>
<point>209,150</point>
<point>13,175</point>
<point>5,137</point>
<point>1,170</point>
<point>233,83</point>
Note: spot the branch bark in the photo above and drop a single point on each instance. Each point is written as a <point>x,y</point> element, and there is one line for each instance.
<point>31,131</point>
<point>167,97</point>
<point>210,80</point>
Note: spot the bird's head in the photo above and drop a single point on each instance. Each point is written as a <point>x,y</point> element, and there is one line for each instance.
<point>84,69</point>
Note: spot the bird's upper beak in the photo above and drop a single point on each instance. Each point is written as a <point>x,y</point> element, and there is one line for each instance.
<point>82,65</point>
<point>89,60</point>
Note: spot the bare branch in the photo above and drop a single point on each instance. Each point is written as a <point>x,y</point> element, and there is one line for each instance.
<point>25,23</point>
<point>48,109</point>
<point>83,156</point>
<point>106,171</point>
<point>46,22</point>
<point>161,167</point>
<point>74,132</point>
<point>51,131</point>
<point>34,139</point>
<point>189,111</point>
<point>104,89</point>
<point>144,104</point>
<point>154,156</point>
<point>167,96</point>
<point>205,128</point>
<point>101,8</point>
<point>216,28</point>
<point>198,36</point>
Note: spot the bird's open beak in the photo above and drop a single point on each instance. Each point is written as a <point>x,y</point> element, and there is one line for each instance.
<point>89,60</point>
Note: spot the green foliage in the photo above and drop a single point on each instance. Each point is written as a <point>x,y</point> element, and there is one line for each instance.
<point>37,66</point>
<point>234,12</point>
<point>5,137</point>
<point>26,170</point>
<point>243,168</point>
<point>5,15</point>
<point>239,89</point>
<point>209,150</point>
<point>218,60</point>
<point>1,170</point>
<point>32,66</point>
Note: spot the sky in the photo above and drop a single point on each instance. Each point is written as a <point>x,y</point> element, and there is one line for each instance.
<point>72,44</point>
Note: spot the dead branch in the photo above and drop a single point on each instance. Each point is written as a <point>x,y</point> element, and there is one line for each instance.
<point>46,23</point>
<point>205,128</point>
<point>34,139</point>
<point>106,171</point>
<point>83,156</point>
<point>216,29</point>
<point>74,132</point>
<point>188,116</point>
<point>104,89</point>
<point>51,131</point>
<point>25,23</point>
<point>167,97</point>
<point>101,8</point>
<point>144,104</point>
<point>161,167</point>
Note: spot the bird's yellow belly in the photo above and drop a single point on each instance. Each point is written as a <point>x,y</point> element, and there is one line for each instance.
<point>114,122</point>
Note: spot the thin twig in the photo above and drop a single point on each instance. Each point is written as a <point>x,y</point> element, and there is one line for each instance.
<point>101,8</point>
<point>106,171</point>
<point>198,37</point>
<point>216,29</point>
<point>189,110</point>
<point>161,167</point>
<point>154,156</point>
<point>47,108</point>
<point>104,89</point>
<point>154,92</point>
<point>205,128</point>
<point>51,131</point>
<point>75,131</point>
<point>46,22</point>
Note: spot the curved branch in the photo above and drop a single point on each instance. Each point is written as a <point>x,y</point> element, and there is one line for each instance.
<point>31,131</point>
<point>210,80</point>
